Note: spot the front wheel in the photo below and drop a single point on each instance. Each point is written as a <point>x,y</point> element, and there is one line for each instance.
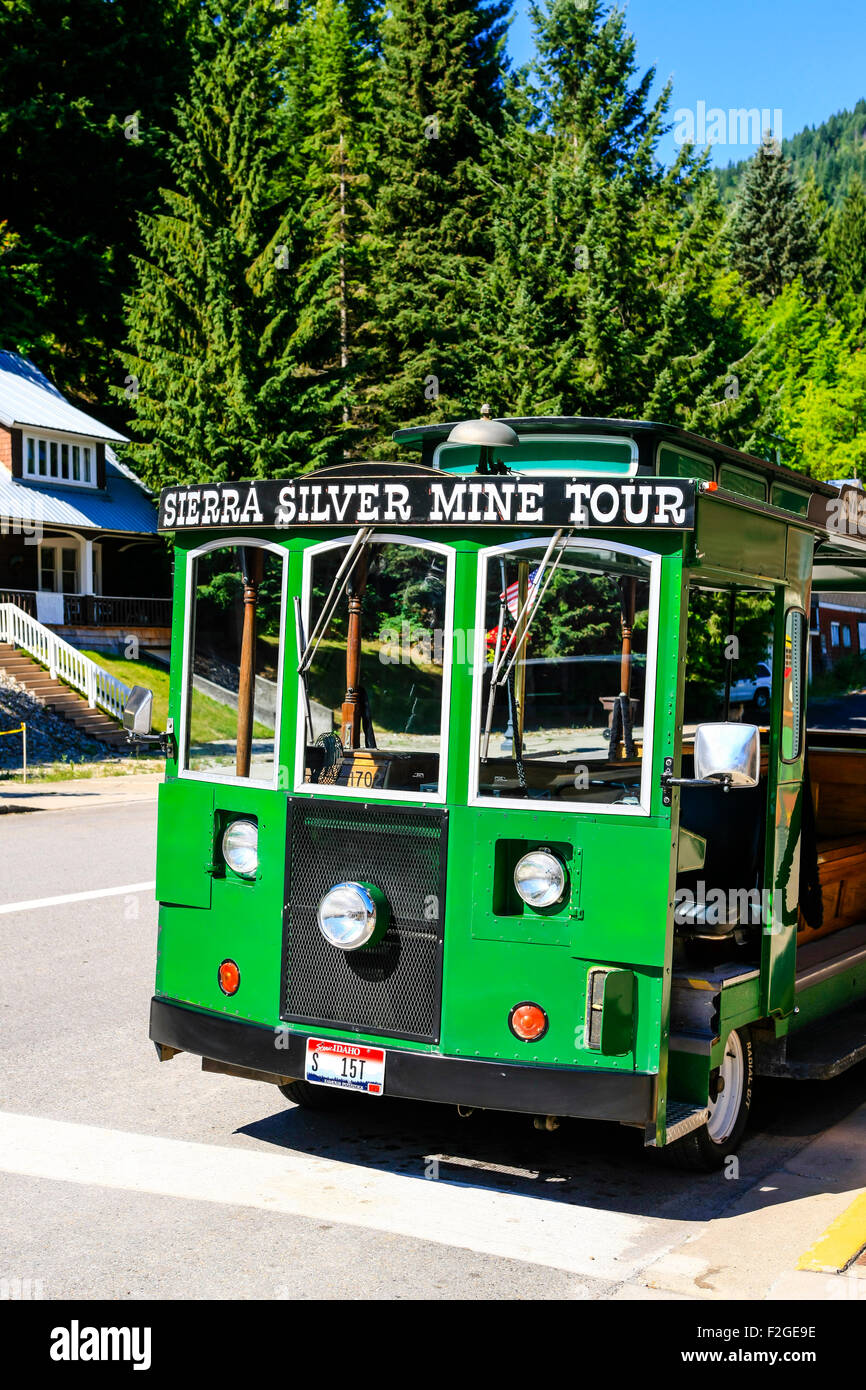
<point>709,1147</point>
<point>310,1096</point>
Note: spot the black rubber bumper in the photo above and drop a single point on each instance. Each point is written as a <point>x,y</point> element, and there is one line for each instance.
<point>624,1097</point>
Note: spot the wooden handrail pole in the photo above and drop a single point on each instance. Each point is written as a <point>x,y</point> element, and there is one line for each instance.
<point>350,715</point>
<point>253,559</point>
<point>629,596</point>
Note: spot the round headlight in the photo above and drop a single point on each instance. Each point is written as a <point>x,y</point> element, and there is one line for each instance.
<point>241,847</point>
<point>352,915</point>
<point>540,879</point>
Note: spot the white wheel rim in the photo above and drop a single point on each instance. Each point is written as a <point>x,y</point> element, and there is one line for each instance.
<point>725,1109</point>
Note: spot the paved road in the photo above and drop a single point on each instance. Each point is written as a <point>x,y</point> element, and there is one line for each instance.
<point>842,712</point>
<point>124,1178</point>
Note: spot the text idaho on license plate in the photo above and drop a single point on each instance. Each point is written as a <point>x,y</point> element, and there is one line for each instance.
<point>351,1066</point>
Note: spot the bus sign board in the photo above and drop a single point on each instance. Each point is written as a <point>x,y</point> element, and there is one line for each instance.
<point>651,503</point>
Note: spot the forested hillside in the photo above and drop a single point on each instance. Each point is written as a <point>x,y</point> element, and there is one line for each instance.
<point>832,153</point>
<point>263,235</point>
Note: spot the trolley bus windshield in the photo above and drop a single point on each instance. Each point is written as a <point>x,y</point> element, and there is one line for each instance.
<point>564,713</point>
<point>372,667</point>
<point>232,670</point>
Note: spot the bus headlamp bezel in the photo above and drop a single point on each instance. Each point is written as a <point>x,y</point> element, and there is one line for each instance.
<point>548,867</point>
<point>241,837</point>
<point>352,915</point>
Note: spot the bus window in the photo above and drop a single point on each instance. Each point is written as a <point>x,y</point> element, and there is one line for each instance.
<point>565,711</point>
<point>233,662</point>
<point>729,662</point>
<point>372,712</point>
<point>837,661</point>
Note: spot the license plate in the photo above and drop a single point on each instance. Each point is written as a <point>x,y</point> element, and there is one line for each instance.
<point>350,1066</point>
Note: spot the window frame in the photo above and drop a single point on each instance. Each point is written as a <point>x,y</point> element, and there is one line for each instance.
<point>441,451</point>
<point>380,793</point>
<point>593,808</point>
<point>57,545</point>
<point>703,459</point>
<point>60,441</point>
<point>214,774</point>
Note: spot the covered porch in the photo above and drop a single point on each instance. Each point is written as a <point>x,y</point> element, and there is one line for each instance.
<point>94,589</point>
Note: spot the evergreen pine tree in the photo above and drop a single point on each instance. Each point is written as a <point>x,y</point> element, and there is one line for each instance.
<point>334,77</point>
<point>21,295</point>
<point>440,87</point>
<point>771,236</point>
<point>87,95</point>
<point>847,241</point>
<point>600,299</point>
<point>215,388</point>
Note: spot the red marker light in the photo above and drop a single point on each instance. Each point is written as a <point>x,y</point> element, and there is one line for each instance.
<point>528,1022</point>
<point>229,977</point>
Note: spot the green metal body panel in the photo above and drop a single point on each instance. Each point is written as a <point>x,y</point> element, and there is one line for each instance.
<point>836,992</point>
<point>618,911</point>
<point>740,542</point>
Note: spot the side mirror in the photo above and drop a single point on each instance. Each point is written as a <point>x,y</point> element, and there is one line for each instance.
<point>728,753</point>
<point>138,710</point>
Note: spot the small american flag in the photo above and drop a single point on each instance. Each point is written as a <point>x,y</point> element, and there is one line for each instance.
<point>510,595</point>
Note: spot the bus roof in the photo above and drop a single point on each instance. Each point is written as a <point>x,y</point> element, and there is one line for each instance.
<point>647,435</point>
<point>533,481</point>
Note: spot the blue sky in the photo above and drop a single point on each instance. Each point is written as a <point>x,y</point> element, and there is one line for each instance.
<point>805,58</point>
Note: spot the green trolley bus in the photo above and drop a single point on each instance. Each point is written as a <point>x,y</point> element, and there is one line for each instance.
<point>489,779</point>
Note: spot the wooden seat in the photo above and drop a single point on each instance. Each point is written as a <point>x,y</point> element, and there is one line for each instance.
<point>839,796</point>
<point>838,791</point>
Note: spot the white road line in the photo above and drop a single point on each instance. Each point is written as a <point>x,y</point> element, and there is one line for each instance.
<point>537,1231</point>
<point>79,897</point>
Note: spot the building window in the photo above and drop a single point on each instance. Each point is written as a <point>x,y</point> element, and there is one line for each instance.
<point>58,568</point>
<point>61,460</point>
<point>834,634</point>
<point>846,636</point>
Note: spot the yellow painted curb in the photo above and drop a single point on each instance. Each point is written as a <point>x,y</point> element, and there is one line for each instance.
<point>841,1242</point>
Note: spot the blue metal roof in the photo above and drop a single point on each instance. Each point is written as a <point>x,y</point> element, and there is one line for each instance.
<point>124,505</point>
<point>27,397</point>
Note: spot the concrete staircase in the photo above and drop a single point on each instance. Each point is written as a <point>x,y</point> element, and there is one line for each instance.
<point>60,698</point>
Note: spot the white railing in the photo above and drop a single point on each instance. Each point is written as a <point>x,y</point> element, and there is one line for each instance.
<point>64,661</point>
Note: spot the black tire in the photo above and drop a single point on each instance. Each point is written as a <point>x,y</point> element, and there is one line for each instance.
<point>762,698</point>
<point>699,1151</point>
<point>311,1097</point>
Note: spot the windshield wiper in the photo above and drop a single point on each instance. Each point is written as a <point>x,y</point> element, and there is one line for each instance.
<point>338,588</point>
<point>302,644</point>
<point>522,624</point>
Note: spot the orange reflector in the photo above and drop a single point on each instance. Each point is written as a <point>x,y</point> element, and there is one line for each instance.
<point>229,977</point>
<point>528,1021</point>
<point>711,487</point>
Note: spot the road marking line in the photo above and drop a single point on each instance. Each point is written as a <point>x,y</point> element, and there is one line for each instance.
<point>841,1243</point>
<point>534,1230</point>
<point>79,897</point>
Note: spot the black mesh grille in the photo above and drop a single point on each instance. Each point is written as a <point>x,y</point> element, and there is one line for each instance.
<point>394,987</point>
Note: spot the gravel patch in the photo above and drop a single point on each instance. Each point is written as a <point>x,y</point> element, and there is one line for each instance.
<point>49,738</point>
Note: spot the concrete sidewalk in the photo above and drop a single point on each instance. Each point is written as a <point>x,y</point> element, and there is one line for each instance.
<point>87,792</point>
<point>795,1234</point>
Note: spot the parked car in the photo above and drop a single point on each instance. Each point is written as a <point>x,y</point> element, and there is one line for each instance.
<point>753,689</point>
